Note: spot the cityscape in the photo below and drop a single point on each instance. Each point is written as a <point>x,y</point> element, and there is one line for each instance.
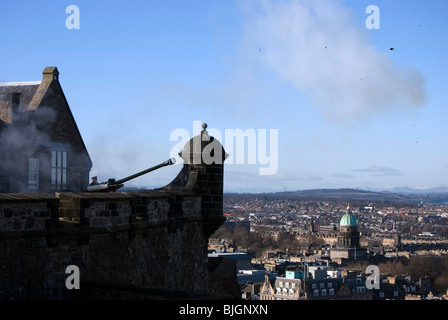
<point>288,244</point>
<point>224,158</point>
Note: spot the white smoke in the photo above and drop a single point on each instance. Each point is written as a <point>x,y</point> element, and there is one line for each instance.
<point>23,140</point>
<point>316,46</point>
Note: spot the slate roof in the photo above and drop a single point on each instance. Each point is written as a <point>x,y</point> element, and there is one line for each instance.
<point>31,93</point>
<point>27,91</point>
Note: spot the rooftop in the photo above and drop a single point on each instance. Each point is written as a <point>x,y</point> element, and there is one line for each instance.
<point>21,83</point>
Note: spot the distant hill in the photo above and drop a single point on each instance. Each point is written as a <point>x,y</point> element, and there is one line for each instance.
<point>407,190</point>
<point>352,194</point>
<point>340,194</point>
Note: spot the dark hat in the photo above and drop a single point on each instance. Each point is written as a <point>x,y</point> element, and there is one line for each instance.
<point>95,177</point>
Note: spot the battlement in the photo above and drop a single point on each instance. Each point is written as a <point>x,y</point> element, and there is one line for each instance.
<point>30,212</point>
<point>150,239</point>
<point>40,214</point>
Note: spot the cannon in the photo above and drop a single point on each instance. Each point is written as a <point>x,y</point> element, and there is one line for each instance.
<point>113,185</point>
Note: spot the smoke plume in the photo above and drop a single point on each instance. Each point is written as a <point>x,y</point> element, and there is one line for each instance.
<point>317,47</point>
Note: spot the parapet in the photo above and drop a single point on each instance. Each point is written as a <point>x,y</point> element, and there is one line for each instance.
<point>155,238</point>
<point>26,212</point>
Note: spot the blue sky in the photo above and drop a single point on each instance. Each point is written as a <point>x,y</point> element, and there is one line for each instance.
<point>349,111</point>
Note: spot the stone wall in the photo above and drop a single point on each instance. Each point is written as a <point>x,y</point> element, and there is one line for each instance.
<point>22,212</point>
<point>147,239</point>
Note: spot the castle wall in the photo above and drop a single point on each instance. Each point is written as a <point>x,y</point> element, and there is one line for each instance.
<point>156,238</point>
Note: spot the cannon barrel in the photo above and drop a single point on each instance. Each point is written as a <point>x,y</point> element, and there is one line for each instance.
<point>163,164</point>
<point>113,185</point>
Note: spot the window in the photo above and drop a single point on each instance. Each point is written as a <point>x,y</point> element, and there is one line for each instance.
<point>285,291</point>
<point>293,285</point>
<point>278,290</point>
<point>33,174</point>
<point>287,285</point>
<point>331,292</point>
<point>280,284</point>
<point>314,286</point>
<point>316,293</point>
<point>59,170</point>
<point>291,292</point>
<point>322,285</point>
<point>330,285</point>
<point>324,292</point>
<point>381,294</point>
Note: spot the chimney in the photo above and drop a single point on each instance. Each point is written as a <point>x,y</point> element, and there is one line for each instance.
<point>15,103</point>
<point>50,73</point>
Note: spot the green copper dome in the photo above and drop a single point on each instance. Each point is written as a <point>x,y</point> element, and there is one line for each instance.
<point>348,220</point>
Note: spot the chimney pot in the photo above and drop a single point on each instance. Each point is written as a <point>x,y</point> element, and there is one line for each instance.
<point>50,73</point>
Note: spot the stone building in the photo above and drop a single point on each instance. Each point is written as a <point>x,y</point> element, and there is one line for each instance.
<point>296,286</point>
<point>392,241</point>
<point>41,147</point>
<point>348,247</point>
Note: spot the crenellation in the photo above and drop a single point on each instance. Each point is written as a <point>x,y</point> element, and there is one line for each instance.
<point>114,245</point>
<point>15,216</point>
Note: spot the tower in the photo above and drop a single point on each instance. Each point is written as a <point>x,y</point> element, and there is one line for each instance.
<point>311,228</point>
<point>202,173</point>
<point>348,236</point>
<point>348,248</point>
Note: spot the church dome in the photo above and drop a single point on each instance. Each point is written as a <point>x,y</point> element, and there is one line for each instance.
<point>348,220</point>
